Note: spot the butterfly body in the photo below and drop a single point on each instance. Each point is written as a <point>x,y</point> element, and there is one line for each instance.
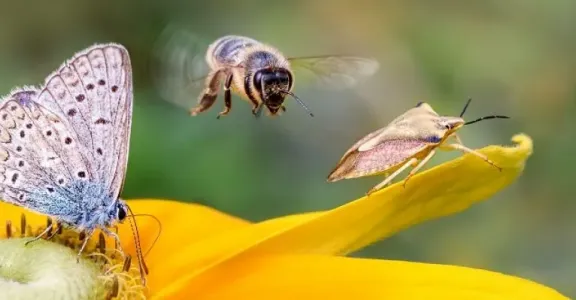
<point>83,205</point>
<point>64,145</point>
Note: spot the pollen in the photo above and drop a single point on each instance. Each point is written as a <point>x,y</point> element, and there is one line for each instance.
<point>118,276</point>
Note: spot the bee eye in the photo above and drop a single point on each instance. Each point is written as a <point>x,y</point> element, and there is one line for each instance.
<point>258,79</point>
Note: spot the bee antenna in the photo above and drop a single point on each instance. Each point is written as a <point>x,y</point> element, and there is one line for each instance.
<point>486,118</point>
<point>465,107</point>
<point>299,102</point>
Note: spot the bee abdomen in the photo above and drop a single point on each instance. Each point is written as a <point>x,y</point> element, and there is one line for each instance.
<point>226,50</point>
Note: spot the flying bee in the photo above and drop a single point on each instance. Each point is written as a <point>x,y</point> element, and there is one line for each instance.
<point>259,73</point>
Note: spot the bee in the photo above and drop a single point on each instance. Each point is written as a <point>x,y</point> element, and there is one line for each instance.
<point>262,75</point>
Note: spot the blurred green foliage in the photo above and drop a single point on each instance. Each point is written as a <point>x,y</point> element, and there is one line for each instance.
<point>512,57</point>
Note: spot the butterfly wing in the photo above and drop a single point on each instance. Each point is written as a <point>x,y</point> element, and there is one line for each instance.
<point>75,128</point>
<point>334,71</point>
<point>32,156</point>
<point>92,94</point>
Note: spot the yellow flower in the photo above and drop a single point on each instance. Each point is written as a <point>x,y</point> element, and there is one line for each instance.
<point>205,254</point>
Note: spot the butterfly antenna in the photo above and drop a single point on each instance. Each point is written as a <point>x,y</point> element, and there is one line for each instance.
<point>486,118</point>
<point>299,102</point>
<point>159,231</point>
<point>141,262</point>
<point>465,107</point>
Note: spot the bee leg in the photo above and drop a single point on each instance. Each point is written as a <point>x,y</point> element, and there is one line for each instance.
<point>283,108</point>
<point>257,110</point>
<point>210,93</point>
<point>227,97</point>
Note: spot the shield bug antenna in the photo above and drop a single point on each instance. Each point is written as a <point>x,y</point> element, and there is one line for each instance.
<point>482,118</point>
<point>409,140</point>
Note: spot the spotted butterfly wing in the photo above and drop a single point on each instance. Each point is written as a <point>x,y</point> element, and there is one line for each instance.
<point>64,146</point>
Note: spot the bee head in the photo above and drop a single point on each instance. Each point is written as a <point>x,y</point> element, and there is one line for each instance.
<point>273,84</point>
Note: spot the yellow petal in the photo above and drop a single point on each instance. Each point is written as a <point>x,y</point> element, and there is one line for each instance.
<point>442,190</point>
<point>183,224</point>
<point>323,277</point>
<point>12,213</point>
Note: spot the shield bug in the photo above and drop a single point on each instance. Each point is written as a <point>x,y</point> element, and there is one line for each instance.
<point>409,140</point>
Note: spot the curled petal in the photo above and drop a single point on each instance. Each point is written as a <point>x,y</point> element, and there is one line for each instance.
<point>443,190</point>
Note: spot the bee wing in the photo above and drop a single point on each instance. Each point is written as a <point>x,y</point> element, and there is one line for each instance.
<point>335,71</point>
<point>179,69</point>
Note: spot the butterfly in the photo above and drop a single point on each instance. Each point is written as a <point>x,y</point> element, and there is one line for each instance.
<point>64,146</point>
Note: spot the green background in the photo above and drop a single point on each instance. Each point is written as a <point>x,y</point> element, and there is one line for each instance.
<point>512,57</point>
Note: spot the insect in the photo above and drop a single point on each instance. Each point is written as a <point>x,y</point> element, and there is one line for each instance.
<point>64,145</point>
<point>262,75</point>
<point>409,140</point>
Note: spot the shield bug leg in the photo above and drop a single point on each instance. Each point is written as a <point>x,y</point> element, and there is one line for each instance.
<point>465,149</point>
<point>389,178</point>
<point>420,165</point>
<point>210,93</point>
<point>227,97</point>
<point>458,140</point>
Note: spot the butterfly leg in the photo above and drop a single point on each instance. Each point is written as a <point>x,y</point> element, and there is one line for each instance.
<point>389,178</point>
<point>418,166</point>
<point>227,97</point>
<point>116,238</point>
<point>53,233</point>
<point>48,229</point>
<point>86,240</point>
<point>465,149</point>
<point>127,257</point>
<point>210,93</point>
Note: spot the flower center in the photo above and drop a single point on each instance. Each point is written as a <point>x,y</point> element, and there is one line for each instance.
<point>33,268</point>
